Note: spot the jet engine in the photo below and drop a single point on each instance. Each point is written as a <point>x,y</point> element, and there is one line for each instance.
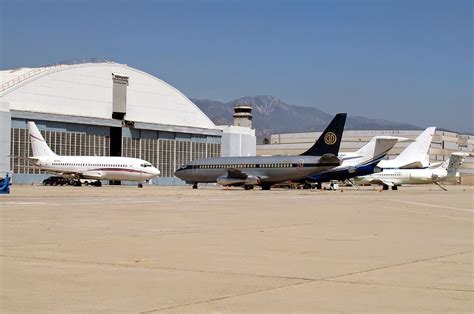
<point>250,180</point>
<point>377,169</point>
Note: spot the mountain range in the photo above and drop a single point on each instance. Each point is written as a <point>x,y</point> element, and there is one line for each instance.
<point>271,115</point>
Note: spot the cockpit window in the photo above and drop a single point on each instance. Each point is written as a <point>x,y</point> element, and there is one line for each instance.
<point>146,165</point>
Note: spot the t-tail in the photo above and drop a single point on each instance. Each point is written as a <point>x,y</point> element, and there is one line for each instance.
<point>453,163</point>
<point>330,140</point>
<point>417,154</point>
<point>376,149</point>
<point>38,144</point>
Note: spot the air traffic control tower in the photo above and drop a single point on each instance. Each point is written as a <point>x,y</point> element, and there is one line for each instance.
<point>239,139</point>
<point>243,115</point>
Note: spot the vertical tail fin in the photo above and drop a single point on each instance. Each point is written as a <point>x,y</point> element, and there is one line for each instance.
<point>417,154</point>
<point>38,144</point>
<point>377,148</point>
<point>452,164</point>
<point>330,140</point>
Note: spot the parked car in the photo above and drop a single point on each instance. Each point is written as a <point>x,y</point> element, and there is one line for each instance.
<point>56,180</point>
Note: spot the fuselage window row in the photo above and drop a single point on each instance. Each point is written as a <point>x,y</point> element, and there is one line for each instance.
<point>88,165</point>
<point>243,166</point>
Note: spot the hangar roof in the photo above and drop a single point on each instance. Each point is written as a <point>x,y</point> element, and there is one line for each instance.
<point>85,90</point>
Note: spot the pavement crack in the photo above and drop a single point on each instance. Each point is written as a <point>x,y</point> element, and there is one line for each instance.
<point>27,244</point>
<point>309,280</point>
<point>136,266</point>
<point>397,286</point>
<point>397,265</point>
<point>227,297</point>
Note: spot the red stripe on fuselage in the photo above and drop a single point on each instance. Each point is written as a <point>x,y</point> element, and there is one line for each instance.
<point>119,169</point>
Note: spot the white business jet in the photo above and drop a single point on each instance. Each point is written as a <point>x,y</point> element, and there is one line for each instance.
<point>88,167</point>
<point>434,174</point>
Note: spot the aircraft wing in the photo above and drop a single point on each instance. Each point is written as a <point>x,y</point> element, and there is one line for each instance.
<point>239,174</point>
<point>236,173</point>
<point>67,174</point>
<point>96,175</point>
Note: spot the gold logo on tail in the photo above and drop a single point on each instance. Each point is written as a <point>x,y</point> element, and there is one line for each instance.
<point>330,138</point>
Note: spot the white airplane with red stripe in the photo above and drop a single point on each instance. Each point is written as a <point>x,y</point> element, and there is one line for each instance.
<point>88,167</point>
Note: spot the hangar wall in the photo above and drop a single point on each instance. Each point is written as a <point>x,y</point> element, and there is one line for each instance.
<point>237,141</point>
<point>102,108</point>
<point>5,121</point>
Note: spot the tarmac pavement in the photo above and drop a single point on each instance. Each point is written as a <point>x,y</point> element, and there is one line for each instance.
<point>174,249</point>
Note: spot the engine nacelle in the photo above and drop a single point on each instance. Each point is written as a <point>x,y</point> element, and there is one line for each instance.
<point>250,180</point>
<point>377,169</point>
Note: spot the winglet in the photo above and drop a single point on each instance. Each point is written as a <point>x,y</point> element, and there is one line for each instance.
<point>330,140</point>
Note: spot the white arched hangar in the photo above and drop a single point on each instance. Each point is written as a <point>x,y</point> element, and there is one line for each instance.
<point>101,108</point>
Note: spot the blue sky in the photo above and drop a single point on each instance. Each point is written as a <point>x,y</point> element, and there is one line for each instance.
<point>406,61</point>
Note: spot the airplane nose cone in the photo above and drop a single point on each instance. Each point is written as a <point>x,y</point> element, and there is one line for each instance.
<point>178,174</point>
<point>156,172</point>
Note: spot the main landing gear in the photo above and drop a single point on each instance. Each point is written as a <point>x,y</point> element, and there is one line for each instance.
<point>97,183</point>
<point>266,187</point>
<point>140,185</point>
<point>195,186</point>
<point>385,187</point>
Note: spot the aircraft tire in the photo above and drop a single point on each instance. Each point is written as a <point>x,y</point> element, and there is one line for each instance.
<point>394,188</point>
<point>385,187</point>
<point>195,186</point>
<point>140,185</point>
<point>266,187</point>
